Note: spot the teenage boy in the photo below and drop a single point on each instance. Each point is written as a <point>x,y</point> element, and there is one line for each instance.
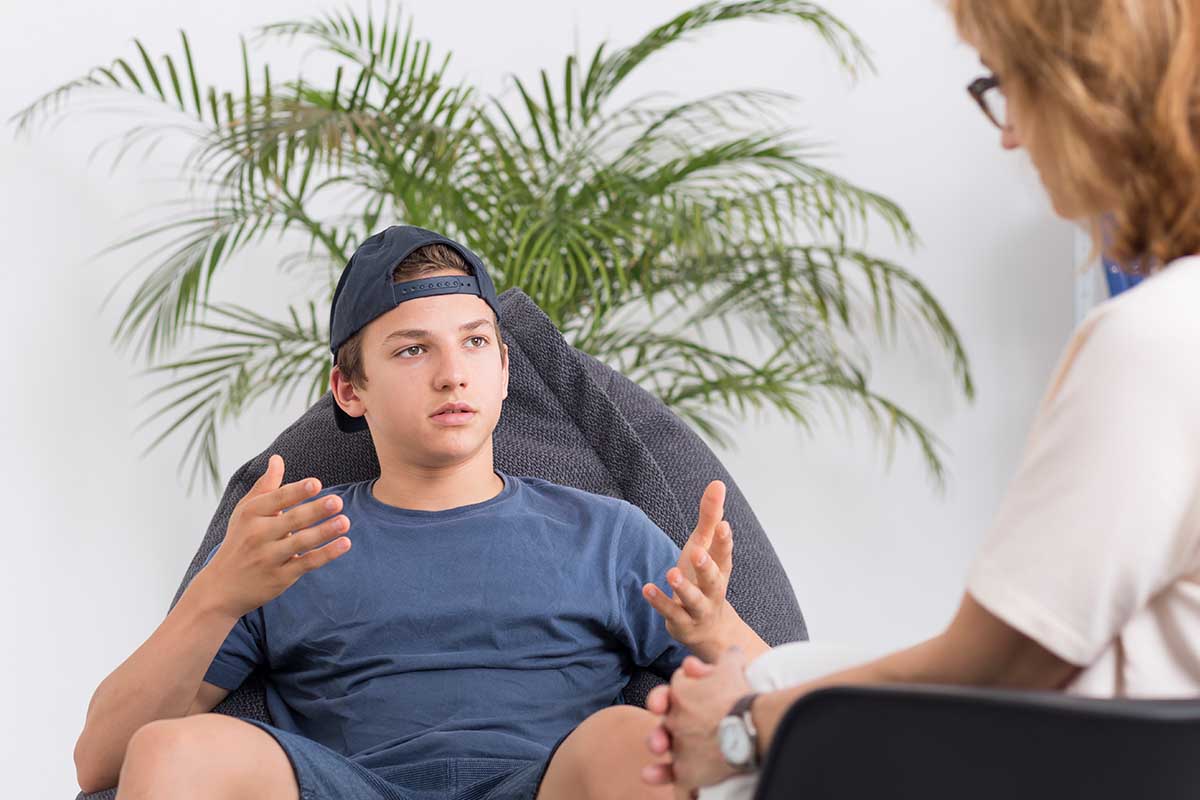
<point>474,640</point>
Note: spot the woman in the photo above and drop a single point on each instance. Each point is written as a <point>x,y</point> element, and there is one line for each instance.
<point>1089,580</point>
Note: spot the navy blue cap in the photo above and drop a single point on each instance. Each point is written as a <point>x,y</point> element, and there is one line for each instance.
<point>366,291</point>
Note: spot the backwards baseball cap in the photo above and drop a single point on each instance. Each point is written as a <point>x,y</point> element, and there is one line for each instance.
<point>366,291</point>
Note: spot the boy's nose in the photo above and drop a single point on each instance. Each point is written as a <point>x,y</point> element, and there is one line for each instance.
<point>451,373</point>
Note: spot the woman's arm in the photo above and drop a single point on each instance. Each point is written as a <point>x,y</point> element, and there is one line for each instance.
<point>977,649</point>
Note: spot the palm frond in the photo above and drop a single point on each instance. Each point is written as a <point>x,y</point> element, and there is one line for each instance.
<point>172,84</point>
<point>639,228</point>
<point>708,387</point>
<point>802,290</point>
<point>608,72</point>
<point>255,356</point>
<point>171,295</point>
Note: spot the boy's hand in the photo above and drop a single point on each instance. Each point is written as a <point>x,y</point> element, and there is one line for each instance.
<point>708,524</point>
<point>698,615</point>
<point>261,554</point>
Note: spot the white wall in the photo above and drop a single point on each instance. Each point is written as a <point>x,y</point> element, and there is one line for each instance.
<point>99,536</point>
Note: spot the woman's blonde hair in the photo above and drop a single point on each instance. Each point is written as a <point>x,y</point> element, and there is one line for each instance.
<point>1109,93</point>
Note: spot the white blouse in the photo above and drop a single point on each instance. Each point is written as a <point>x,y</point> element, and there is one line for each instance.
<point>1095,553</point>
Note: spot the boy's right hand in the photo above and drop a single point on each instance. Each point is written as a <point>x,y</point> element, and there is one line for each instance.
<point>261,554</point>
<point>699,616</point>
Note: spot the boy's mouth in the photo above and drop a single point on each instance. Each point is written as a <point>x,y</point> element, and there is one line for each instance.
<point>453,414</point>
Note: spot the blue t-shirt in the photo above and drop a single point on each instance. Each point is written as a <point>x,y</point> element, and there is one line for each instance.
<point>488,630</point>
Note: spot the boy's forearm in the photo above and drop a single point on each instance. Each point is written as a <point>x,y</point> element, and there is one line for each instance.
<point>734,631</point>
<point>160,680</point>
<point>743,636</point>
<point>751,643</point>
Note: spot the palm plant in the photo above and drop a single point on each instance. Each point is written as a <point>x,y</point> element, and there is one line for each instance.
<point>644,229</point>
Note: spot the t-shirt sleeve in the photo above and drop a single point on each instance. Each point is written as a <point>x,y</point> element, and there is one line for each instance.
<point>641,553</point>
<point>1096,522</point>
<point>241,651</point>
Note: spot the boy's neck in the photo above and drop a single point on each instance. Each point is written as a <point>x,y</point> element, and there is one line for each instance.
<point>439,489</point>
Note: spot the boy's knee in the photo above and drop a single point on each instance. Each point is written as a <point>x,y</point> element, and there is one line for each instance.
<point>620,721</point>
<point>610,751</point>
<point>157,757</point>
<point>206,756</point>
<point>157,742</point>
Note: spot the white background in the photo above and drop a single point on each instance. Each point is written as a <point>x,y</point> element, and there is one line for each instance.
<point>98,537</point>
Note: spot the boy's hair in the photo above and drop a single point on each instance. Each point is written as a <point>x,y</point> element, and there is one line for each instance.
<point>423,261</point>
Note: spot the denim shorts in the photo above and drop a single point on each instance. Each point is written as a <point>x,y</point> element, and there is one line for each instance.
<point>325,774</point>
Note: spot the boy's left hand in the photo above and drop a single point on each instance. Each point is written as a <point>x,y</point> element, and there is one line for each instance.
<point>698,615</point>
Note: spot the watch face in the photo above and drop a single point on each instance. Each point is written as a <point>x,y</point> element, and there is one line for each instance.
<point>734,742</point>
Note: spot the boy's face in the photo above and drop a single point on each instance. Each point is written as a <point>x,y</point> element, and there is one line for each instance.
<point>420,357</point>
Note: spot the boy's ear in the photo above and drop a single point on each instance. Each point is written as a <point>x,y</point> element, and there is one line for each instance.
<point>504,366</point>
<point>344,393</point>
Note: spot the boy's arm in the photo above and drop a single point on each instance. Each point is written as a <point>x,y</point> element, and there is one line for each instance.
<point>746,638</point>
<point>698,615</point>
<point>266,550</point>
<point>161,680</point>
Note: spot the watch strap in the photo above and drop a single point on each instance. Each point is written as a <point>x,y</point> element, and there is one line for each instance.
<point>741,710</point>
<point>742,705</point>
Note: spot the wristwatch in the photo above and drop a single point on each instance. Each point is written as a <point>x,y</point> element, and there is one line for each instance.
<point>737,736</point>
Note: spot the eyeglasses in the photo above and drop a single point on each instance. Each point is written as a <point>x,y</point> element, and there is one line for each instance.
<point>987,94</point>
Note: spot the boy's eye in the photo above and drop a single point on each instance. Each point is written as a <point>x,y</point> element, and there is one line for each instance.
<point>409,352</point>
<point>477,341</point>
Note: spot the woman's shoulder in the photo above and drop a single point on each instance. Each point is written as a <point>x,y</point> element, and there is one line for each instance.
<point>1141,343</point>
<point>1159,316</point>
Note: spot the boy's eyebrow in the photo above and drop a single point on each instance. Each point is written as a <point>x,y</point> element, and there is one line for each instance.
<point>479,323</point>
<point>411,333</point>
<point>416,333</point>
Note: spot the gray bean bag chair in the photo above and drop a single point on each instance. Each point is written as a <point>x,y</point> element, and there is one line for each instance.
<point>569,419</point>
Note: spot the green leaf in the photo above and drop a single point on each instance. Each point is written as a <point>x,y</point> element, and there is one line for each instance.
<point>643,229</point>
<point>150,70</point>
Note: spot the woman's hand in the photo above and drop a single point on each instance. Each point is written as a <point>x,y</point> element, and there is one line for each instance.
<point>691,707</point>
